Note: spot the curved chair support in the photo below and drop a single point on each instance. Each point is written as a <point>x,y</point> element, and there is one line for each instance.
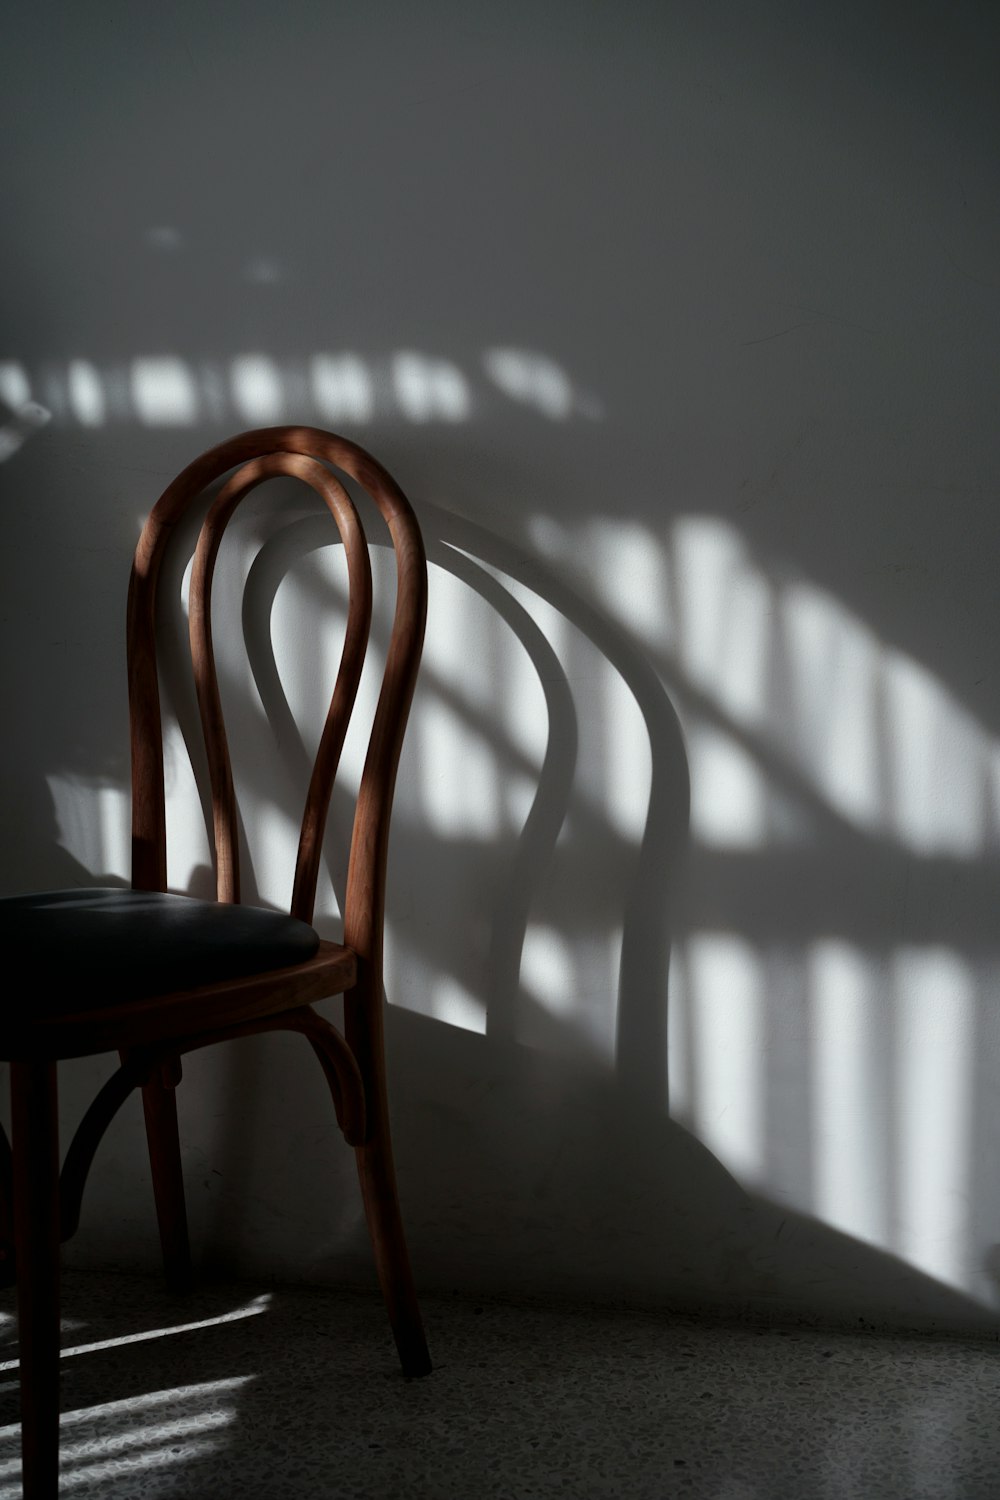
<point>142,1064</point>
<point>337,1060</point>
<point>135,1070</point>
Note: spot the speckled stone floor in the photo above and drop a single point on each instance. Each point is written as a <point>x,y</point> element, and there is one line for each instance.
<point>262,1395</point>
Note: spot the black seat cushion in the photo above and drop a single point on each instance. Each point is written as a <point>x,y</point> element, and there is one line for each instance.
<point>75,950</point>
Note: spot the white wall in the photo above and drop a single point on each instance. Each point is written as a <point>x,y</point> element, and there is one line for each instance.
<point>679,325</point>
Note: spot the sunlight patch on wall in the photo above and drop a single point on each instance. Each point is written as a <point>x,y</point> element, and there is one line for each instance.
<point>834,665</point>
<point>480,718</point>
<point>429,389</point>
<point>165,389</point>
<point>628,568</point>
<point>257,389</point>
<point>164,392</point>
<point>86,393</point>
<point>342,388</point>
<point>892,1062</point>
<point>458,775</point>
<point>526,724</point>
<point>624,797</point>
<point>723,612</point>
<point>532,380</point>
<point>934,1023</point>
<point>455,1006</point>
<point>94,824</point>
<point>26,416</point>
<point>307,658</point>
<point>606,738</point>
<point>724,1015</point>
<point>849,1116</point>
<point>272,835</point>
<point>462,639</point>
<point>409,981</point>
<point>940,761</point>
<point>189,855</point>
<point>15,387</point>
<point>726,613</point>
<point>569,981</point>
<point>525,709</point>
<point>547,970</point>
<point>729,792</point>
<point>867,731</point>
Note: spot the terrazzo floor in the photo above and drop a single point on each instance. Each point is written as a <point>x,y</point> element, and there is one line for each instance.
<point>262,1395</point>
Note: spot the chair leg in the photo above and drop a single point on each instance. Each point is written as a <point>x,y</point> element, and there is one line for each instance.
<point>7,1273</point>
<point>34,1114</point>
<point>159,1104</point>
<point>385,1225</point>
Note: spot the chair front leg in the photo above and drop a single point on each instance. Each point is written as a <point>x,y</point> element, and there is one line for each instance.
<point>377,1172</point>
<point>6,1211</point>
<point>392,1262</point>
<point>35,1139</point>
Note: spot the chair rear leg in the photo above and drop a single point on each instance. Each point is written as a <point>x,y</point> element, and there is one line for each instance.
<point>385,1225</point>
<point>159,1104</point>
<point>34,1114</point>
<point>7,1275</point>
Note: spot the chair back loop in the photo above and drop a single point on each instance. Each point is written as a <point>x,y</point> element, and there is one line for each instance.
<point>303,453</point>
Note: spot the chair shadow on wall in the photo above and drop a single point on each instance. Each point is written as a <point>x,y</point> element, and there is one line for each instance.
<point>520,1168</point>
<point>521,1171</point>
<point>537,1170</point>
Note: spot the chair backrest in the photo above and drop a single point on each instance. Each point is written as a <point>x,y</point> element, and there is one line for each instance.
<point>303,453</point>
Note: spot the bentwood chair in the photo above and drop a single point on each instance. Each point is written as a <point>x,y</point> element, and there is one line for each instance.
<point>152,975</point>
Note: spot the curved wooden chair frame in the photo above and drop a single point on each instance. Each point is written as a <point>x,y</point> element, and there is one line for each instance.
<point>152,1032</point>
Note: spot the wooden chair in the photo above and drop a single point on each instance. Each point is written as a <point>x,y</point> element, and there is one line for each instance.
<point>152,975</point>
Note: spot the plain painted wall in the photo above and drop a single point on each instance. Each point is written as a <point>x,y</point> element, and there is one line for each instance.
<point>679,325</point>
